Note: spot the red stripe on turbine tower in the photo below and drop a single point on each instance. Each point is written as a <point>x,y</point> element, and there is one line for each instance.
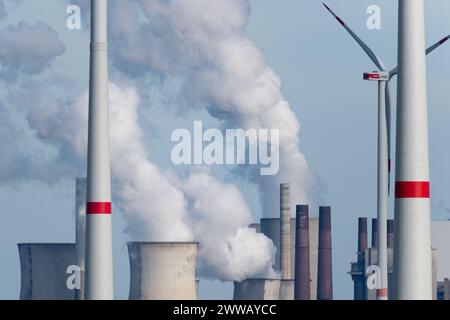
<point>98,208</point>
<point>382,292</point>
<point>412,189</point>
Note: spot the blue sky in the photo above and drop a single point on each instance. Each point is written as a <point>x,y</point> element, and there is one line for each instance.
<point>321,68</point>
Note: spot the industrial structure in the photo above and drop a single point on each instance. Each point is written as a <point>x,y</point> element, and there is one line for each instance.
<point>362,268</point>
<point>319,255</point>
<point>162,271</point>
<point>99,262</point>
<point>302,284</point>
<point>43,270</point>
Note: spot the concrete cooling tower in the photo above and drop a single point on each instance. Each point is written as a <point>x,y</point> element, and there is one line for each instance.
<point>43,269</point>
<point>162,270</point>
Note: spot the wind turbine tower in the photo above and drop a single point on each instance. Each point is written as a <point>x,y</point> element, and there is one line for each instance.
<point>98,264</point>
<point>412,248</point>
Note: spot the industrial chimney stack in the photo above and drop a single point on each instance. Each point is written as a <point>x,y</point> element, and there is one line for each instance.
<point>285,230</point>
<point>412,248</point>
<point>325,268</point>
<point>390,234</point>
<point>374,233</point>
<point>362,234</point>
<point>98,264</point>
<point>302,288</point>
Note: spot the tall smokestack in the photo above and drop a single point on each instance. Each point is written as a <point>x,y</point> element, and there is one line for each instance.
<point>285,231</point>
<point>412,248</point>
<point>374,233</point>
<point>390,234</point>
<point>325,267</point>
<point>362,234</point>
<point>302,288</point>
<point>80,235</point>
<point>99,272</point>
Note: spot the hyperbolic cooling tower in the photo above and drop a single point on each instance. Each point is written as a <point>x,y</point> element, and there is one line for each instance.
<point>43,269</point>
<point>162,271</point>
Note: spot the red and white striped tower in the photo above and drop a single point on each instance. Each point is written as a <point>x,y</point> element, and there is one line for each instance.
<point>412,252</point>
<point>98,264</point>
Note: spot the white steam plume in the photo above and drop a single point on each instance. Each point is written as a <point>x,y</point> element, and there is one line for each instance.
<point>203,43</point>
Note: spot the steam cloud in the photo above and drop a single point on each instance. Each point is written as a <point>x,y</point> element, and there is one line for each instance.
<point>201,42</point>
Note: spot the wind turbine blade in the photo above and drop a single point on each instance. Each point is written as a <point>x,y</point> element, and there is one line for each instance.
<point>388,122</point>
<point>430,49</point>
<point>437,44</point>
<point>361,43</point>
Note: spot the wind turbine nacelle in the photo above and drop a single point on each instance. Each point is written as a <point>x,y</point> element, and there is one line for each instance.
<point>376,76</point>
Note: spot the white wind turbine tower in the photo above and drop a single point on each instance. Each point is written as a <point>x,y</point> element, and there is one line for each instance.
<point>383,76</point>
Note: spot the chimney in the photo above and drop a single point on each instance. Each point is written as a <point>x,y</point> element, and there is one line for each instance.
<point>374,233</point>
<point>390,234</point>
<point>325,268</point>
<point>99,262</point>
<point>162,270</point>
<point>302,288</point>
<point>285,231</point>
<point>362,234</point>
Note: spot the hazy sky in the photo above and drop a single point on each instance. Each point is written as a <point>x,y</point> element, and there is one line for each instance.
<point>321,68</point>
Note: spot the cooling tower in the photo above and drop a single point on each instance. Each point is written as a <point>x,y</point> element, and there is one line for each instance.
<point>302,289</point>
<point>99,262</point>
<point>162,271</point>
<point>325,268</point>
<point>412,248</point>
<point>43,269</point>
<point>285,231</point>
<point>80,235</point>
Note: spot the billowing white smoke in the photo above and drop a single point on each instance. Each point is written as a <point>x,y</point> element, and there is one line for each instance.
<point>160,207</point>
<point>203,43</point>
<point>166,208</point>
<point>229,248</point>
